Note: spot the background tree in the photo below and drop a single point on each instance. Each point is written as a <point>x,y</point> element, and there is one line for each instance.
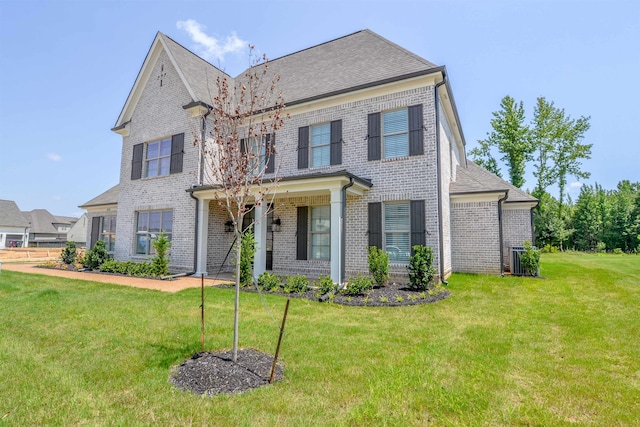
<point>511,137</point>
<point>239,148</point>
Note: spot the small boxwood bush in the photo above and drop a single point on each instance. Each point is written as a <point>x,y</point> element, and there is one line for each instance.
<point>94,258</point>
<point>296,284</point>
<point>129,268</point>
<point>358,285</point>
<point>326,285</point>
<point>421,269</point>
<point>69,254</point>
<point>379,265</point>
<point>269,282</point>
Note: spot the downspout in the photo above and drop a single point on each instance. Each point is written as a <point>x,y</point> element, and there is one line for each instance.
<point>439,183</point>
<point>506,194</point>
<point>195,228</point>
<point>533,231</point>
<point>343,236</point>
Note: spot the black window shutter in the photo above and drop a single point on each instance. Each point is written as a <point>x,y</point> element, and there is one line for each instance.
<point>336,142</point>
<point>243,148</point>
<point>136,161</point>
<point>270,153</point>
<point>303,147</point>
<point>95,231</point>
<point>375,224</point>
<point>373,130</point>
<point>301,244</point>
<point>177,153</point>
<point>418,232</point>
<point>416,131</point>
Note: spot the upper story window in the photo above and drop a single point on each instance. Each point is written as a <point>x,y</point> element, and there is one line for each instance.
<point>320,145</point>
<point>149,225</point>
<point>261,154</point>
<point>158,159</point>
<point>395,133</point>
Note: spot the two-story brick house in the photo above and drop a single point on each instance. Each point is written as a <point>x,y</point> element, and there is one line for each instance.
<point>373,154</point>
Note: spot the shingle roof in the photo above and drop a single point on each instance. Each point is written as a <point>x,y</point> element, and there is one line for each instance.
<point>475,179</point>
<point>199,74</point>
<point>10,215</point>
<point>354,60</point>
<point>41,221</point>
<point>65,219</point>
<point>109,197</point>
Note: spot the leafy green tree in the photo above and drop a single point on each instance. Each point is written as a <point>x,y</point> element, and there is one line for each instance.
<point>483,157</point>
<point>619,225</point>
<point>512,138</point>
<point>589,218</point>
<point>550,228</point>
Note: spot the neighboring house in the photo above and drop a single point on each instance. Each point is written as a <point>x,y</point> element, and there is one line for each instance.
<point>78,232</point>
<point>46,230</point>
<point>373,155</point>
<point>14,227</point>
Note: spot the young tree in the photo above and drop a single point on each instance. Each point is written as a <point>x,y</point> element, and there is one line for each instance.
<point>511,136</point>
<point>546,130</point>
<point>569,152</point>
<point>240,146</point>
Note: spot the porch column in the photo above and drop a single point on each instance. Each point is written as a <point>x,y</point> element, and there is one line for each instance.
<point>203,237</point>
<point>336,230</point>
<point>260,233</point>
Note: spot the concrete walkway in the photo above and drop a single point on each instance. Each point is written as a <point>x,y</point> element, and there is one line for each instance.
<point>174,285</point>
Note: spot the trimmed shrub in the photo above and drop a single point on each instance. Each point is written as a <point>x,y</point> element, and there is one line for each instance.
<point>129,268</point>
<point>94,258</point>
<point>358,285</point>
<point>296,284</point>
<point>379,265</point>
<point>160,262</point>
<point>530,259</point>
<point>421,269</point>
<point>269,282</point>
<point>247,251</point>
<point>69,254</point>
<point>326,285</point>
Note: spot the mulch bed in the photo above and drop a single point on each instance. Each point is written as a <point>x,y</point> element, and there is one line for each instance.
<point>209,374</point>
<point>391,295</point>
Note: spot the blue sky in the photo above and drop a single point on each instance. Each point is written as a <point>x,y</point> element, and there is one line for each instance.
<point>66,68</point>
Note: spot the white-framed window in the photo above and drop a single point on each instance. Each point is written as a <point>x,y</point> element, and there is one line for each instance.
<point>158,158</point>
<point>320,145</point>
<point>257,149</point>
<point>108,232</point>
<point>320,231</point>
<point>395,133</point>
<point>397,230</point>
<point>149,225</point>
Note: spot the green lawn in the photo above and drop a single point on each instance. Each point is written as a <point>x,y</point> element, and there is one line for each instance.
<point>564,350</point>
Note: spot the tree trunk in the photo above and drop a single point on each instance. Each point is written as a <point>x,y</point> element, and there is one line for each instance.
<point>237,298</point>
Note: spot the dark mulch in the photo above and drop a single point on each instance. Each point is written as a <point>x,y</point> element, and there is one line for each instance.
<point>214,373</point>
<point>391,295</point>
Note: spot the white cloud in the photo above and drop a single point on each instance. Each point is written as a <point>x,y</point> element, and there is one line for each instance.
<point>209,47</point>
<point>54,157</point>
<point>575,184</point>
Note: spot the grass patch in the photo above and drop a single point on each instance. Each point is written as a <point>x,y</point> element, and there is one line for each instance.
<point>499,351</point>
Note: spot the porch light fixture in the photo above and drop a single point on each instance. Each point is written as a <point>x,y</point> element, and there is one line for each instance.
<point>228,226</point>
<point>276,225</point>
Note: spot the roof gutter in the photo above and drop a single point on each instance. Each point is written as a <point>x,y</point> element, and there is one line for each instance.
<point>439,181</point>
<point>502,199</point>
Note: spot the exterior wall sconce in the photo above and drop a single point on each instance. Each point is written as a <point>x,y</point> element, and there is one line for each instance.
<point>228,226</point>
<point>276,225</point>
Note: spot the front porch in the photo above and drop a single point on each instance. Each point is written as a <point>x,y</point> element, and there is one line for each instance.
<point>304,232</point>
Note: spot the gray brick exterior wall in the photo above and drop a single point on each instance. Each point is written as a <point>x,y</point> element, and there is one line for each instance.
<point>159,114</point>
<point>516,228</point>
<point>475,237</point>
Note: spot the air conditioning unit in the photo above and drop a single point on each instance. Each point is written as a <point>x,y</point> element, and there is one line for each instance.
<point>515,264</point>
